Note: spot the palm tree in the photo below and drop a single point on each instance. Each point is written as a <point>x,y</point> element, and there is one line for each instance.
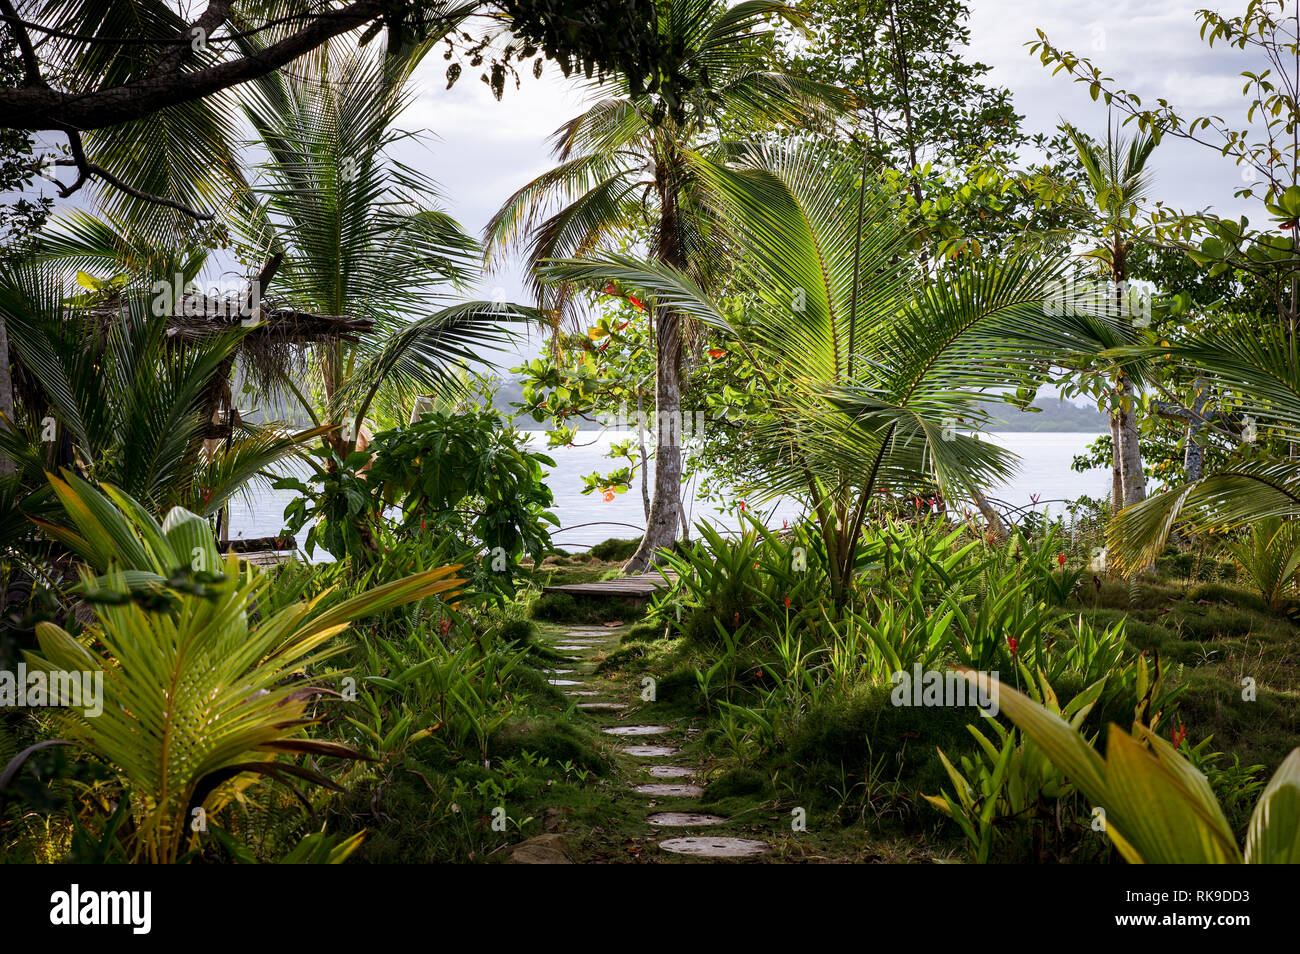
<point>360,237</point>
<point>1264,370</point>
<point>100,384</point>
<point>1118,181</point>
<point>868,367</point>
<point>626,166</point>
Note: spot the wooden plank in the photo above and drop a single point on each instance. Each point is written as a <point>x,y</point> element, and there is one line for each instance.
<point>641,585</point>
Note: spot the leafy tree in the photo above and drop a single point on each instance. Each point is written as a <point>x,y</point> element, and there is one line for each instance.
<point>158,80</point>
<point>868,370</point>
<point>1118,182</point>
<point>1256,373</point>
<point>921,99</point>
<point>627,165</point>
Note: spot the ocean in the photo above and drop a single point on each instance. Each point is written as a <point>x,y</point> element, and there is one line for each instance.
<point>1044,474</point>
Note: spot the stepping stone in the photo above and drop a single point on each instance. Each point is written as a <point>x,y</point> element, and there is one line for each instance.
<point>601,706</point>
<point>638,729</point>
<point>684,819</point>
<point>670,771</point>
<point>572,648</point>
<point>582,692</point>
<point>564,682</point>
<point>715,847</point>
<point>661,788</point>
<point>560,672</point>
<point>650,751</point>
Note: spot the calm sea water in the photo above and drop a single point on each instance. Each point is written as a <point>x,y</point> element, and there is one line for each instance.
<point>585,520</point>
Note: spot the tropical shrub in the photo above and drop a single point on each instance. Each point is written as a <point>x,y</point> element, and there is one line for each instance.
<point>468,476</point>
<point>1009,781</point>
<point>202,687</point>
<point>1270,556</point>
<point>1159,809</point>
<point>464,479</point>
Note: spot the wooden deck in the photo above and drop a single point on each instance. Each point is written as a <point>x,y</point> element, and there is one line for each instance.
<point>642,586</point>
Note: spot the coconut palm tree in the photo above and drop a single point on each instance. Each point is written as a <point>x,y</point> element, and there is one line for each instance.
<point>1263,371</point>
<point>361,236</point>
<point>873,373</point>
<point>626,168</point>
<point>1118,180</point>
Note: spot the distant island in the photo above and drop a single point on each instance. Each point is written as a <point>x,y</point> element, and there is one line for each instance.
<point>1051,414</point>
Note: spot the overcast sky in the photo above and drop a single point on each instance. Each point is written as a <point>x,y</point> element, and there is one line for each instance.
<point>483,150</point>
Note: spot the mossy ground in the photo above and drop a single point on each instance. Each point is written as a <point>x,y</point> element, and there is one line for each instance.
<point>853,770</point>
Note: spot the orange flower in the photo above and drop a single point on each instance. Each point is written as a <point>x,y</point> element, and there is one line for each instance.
<point>607,494</point>
<point>716,352</point>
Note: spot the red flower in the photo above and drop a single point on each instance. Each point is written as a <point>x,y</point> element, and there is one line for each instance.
<point>1178,734</point>
<point>742,506</point>
<point>716,352</point>
<point>445,625</point>
<point>609,289</point>
<point>1014,644</point>
<point>1060,560</point>
<point>636,303</point>
<point>787,602</point>
<point>735,619</point>
<point>423,525</point>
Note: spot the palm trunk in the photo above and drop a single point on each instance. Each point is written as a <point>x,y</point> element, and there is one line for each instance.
<point>1130,450</point>
<point>1116,470</point>
<point>991,516</point>
<point>666,506</point>
<point>7,466</point>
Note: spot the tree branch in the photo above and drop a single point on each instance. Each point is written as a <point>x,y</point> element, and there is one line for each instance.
<point>31,65</point>
<point>35,109</point>
<point>185,43</point>
<point>87,170</point>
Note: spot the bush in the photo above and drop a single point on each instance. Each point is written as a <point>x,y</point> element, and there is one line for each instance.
<point>554,607</point>
<point>614,550</point>
<point>563,608</point>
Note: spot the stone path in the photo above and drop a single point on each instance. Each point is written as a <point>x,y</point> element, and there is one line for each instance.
<point>670,806</point>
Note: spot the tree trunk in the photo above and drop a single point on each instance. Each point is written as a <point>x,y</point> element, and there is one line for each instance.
<point>991,516</point>
<point>1116,471</point>
<point>7,466</point>
<point>666,505</point>
<point>1130,450</point>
